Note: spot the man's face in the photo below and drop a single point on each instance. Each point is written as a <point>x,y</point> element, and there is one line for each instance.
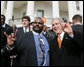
<point>38,26</point>
<point>44,28</point>
<point>25,22</point>
<point>2,20</point>
<point>57,28</point>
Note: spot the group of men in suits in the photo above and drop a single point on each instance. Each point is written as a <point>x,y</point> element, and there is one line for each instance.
<point>31,52</point>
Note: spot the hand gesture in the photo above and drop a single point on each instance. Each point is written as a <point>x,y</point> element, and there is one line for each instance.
<point>11,38</point>
<point>67,27</point>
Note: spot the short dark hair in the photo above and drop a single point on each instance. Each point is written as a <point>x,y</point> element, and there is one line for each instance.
<point>39,19</point>
<point>77,17</point>
<point>2,16</point>
<point>26,17</point>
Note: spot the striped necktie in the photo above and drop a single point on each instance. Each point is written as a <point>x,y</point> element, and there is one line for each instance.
<point>41,52</point>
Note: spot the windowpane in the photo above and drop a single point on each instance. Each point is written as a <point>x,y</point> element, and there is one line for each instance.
<point>40,13</point>
<point>77,5</point>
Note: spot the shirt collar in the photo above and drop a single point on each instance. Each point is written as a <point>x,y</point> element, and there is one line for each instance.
<point>62,35</point>
<point>4,25</point>
<point>37,33</point>
<point>44,32</point>
<point>27,29</point>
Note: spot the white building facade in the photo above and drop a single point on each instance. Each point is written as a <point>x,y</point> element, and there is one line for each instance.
<point>15,10</point>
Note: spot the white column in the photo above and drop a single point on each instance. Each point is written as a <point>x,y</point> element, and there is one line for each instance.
<point>30,9</point>
<point>9,13</point>
<point>55,9</point>
<point>70,10</point>
<point>81,7</point>
<point>2,7</point>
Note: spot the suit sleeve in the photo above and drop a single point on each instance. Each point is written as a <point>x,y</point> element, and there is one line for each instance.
<point>78,38</point>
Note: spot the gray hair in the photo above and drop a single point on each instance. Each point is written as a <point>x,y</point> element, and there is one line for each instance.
<point>58,19</point>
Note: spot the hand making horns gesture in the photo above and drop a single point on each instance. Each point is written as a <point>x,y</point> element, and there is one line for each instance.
<point>11,38</point>
<point>67,27</point>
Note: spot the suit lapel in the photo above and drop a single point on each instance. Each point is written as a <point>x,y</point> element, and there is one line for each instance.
<point>22,30</point>
<point>65,38</point>
<point>55,43</point>
<point>31,36</point>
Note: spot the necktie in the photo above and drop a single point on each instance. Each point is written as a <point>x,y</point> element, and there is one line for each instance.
<point>41,52</point>
<point>25,30</point>
<point>59,41</point>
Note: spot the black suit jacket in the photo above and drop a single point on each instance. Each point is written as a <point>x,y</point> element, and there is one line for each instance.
<point>69,55</point>
<point>20,34</point>
<point>26,51</point>
<point>8,30</point>
<point>79,40</point>
<point>79,34</point>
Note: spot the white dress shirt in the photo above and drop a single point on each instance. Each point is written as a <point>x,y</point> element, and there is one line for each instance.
<point>27,29</point>
<point>4,25</point>
<point>62,35</point>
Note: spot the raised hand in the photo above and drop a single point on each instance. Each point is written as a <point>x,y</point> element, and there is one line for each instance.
<point>14,28</point>
<point>67,27</point>
<point>11,38</point>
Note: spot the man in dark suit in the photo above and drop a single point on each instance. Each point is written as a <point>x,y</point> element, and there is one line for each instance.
<point>4,28</point>
<point>78,27</point>
<point>64,49</point>
<point>44,30</point>
<point>33,50</point>
<point>5,59</point>
<point>49,34</point>
<point>24,29</point>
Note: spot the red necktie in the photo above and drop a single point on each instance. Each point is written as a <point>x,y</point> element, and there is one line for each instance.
<point>59,41</point>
